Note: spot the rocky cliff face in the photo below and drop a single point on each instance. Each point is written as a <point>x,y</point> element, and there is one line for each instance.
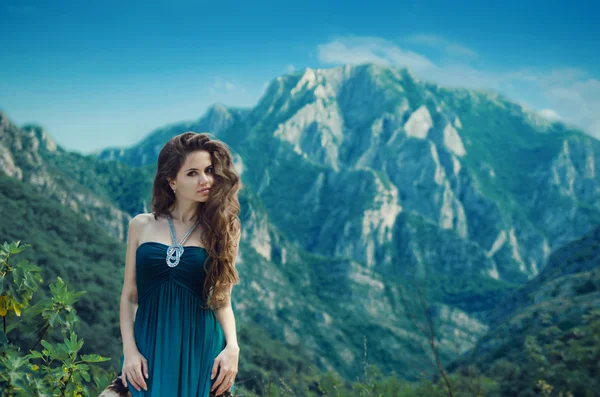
<point>30,155</point>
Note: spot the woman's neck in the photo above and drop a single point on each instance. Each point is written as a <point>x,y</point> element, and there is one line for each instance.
<point>185,215</point>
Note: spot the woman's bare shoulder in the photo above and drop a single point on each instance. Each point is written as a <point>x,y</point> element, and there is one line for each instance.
<point>143,218</point>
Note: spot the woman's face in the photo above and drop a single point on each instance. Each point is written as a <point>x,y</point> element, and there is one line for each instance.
<point>195,175</point>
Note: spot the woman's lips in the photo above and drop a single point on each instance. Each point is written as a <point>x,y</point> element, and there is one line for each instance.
<point>203,191</point>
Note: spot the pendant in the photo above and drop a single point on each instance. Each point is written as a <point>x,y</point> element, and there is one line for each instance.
<point>174,251</point>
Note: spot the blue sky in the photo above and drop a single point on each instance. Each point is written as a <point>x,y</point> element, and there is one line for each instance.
<point>98,74</point>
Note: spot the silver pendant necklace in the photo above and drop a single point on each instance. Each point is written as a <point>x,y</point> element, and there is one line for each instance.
<point>175,250</point>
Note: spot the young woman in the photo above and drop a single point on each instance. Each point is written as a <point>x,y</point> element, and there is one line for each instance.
<point>176,318</point>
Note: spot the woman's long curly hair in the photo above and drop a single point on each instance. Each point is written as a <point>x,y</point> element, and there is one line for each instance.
<point>218,215</point>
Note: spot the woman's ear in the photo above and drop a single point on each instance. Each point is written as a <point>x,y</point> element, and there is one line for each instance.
<point>170,183</point>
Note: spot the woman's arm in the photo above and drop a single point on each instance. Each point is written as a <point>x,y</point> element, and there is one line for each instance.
<point>224,313</point>
<point>226,318</point>
<point>129,294</point>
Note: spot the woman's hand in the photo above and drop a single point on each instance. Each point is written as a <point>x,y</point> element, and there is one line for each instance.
<point>134,364</point>
<point>228,360</point>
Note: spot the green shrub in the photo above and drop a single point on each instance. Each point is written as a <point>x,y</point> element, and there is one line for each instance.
<point>49,368</point>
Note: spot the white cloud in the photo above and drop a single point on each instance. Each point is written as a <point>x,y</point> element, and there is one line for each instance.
<point>450,47</point>
<point>370,49</point>
<point>568,94</point>
<point>577,96</point>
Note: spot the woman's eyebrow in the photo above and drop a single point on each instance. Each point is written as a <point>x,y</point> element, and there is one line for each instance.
<point>196,169</point>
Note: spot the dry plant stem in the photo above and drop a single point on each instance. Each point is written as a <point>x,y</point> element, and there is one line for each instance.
<point>413,318</point>
<point>432,339</point>
<point>46,327</point>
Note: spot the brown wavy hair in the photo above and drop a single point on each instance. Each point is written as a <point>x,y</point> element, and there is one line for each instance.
<point>219,214</point>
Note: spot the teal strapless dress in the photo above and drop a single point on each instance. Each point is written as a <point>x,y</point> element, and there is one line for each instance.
<point>172,331</point>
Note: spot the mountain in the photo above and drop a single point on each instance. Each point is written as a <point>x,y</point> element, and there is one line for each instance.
<point>216,119</point>
<point>359,176</point>
<point>104,192</point>
<point>548,329</point>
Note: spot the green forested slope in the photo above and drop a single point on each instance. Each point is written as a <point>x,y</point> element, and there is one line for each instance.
<point>548,331</point>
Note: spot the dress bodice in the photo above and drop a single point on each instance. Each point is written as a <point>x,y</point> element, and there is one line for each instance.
<point>152,270</point>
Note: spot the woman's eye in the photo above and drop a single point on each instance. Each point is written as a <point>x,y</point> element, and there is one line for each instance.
<point>209,170</point>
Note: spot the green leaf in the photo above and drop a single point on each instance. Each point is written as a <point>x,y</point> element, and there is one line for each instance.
<point>85,375</point>
<point>50,349</point>
<point>73,344</point>
<point>94,358</point>
<point>53,318</point>
<point>35,354</point>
